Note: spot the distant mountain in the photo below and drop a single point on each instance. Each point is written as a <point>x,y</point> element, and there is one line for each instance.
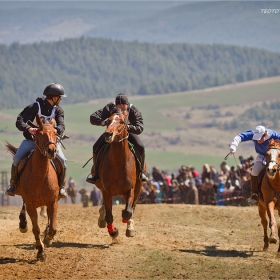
<point>234,23</point>
<point>239,23</point>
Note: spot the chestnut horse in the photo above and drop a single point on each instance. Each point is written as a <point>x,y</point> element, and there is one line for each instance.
<point>38,185</point>
<point>118,174</point>
<point>270,194</point>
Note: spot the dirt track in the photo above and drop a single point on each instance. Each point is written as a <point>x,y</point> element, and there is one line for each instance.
<point>171,241</point>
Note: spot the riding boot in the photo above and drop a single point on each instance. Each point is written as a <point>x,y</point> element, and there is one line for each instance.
<point>11,191</point>
<point>254,198</point>
<point>143,176</point>
<point>95,178</point>
<point>62,183</point>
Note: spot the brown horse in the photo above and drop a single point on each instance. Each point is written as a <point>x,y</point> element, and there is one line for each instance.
<point>118,174</point>
<point>38,185</point>
<point>270,194</point>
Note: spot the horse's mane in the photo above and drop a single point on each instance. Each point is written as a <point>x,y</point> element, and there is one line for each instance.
<point>11,148</point>
<point>274,143</point>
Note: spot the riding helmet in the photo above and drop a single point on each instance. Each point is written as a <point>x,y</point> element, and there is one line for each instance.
<point>54,89</point>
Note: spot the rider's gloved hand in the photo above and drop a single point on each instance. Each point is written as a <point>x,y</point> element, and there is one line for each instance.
<point>232,149</point>
<point>33,130</point>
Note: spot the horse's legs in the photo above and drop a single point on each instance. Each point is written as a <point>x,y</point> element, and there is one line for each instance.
<point>264,221</point>
<point>22,219</point>
<point>113,231</point>
<point>272,222</point>
<point>32,212</point>
<point>278,227</point>
<point>101,220</point>
<point>128,211</point>
<point>43,212</point>
<point>127,214</point>
<point>50,230</point>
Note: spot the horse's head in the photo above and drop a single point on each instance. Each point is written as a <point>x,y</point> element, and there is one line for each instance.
<point>45,139</point>
<point>117,127</point>
<point>273,158</point>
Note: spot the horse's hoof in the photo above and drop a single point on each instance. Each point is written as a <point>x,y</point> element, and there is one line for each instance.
<point>272,240</point>
<point>115,233</point>
<point>47,242</point>
<point>23,230</point>
<point>129,232</point>
<point>41,257</point>
<point>102,223</point>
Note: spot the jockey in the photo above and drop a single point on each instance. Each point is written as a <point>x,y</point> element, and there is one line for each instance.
<point>135,127</point>
<point>47,108</point>
<point>261,137</point>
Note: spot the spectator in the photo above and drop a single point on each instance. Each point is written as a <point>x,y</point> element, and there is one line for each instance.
<point>72,190</point>
<point>157,175</point>
<point>214,174</point>
<point>192,193</point>
<point>224,168</point>
<point>195,174</point>
<point>206,172</point>
<point>95,196</point>
<point>220,192</point>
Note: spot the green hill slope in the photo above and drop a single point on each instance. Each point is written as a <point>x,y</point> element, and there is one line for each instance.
<point>185,128</point>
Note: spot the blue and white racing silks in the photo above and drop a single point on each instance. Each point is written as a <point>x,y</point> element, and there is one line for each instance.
<point>261,149</point>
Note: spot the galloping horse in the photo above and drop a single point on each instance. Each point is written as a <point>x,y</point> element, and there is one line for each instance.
<point>38,185</point>
<point>270,193</point>
<point>118,174</point>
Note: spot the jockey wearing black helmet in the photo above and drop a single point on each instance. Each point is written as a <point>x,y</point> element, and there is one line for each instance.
<point>48,108</point>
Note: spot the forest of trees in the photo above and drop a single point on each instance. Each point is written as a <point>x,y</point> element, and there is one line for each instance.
<point>90,68</point>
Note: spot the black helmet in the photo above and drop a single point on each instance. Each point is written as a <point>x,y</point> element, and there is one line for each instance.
<point>54,89</point>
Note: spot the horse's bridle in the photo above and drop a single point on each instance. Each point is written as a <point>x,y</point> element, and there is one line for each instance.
<point>118,134</point>
<point>278,165</point>
<point>43,145</point>
<point>125,125</point>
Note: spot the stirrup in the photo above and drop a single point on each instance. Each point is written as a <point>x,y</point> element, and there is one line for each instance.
<point>253,199</point>
<point>93,179</point>
<point>11,191</point>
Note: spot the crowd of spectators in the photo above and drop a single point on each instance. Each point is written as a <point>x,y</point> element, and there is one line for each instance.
<point>211,186</point>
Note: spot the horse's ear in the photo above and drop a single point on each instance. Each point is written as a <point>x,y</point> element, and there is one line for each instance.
<point>39,122</point>
<point>272,141</point>
<point>52,122</point>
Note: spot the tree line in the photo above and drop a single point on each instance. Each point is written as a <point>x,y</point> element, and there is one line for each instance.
<point>91,68</point>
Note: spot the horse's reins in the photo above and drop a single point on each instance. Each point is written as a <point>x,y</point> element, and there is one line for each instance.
<point>43,149</point>
<point>125,125</point>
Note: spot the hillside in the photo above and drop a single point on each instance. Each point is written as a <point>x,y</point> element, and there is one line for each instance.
<point>185,128</point>
<point>227,22</point>
<point>91,68</point>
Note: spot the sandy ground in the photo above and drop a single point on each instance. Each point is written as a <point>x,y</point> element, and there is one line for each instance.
<point>171,242</point>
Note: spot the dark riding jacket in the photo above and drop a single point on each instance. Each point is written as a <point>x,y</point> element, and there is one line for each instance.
<point>136,125</point>
<point>29,114</point>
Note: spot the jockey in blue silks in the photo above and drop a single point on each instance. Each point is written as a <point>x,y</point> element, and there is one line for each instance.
<point>261,137</point>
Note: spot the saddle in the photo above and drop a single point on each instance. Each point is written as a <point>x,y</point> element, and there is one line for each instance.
<point>132,148</point>
<point>56,163</point>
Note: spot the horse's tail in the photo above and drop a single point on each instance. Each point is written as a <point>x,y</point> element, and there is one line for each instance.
<point>11,148</point>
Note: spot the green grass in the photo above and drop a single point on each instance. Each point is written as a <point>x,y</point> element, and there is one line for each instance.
<point>83,134</point>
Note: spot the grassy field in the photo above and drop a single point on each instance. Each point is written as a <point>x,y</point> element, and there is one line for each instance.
<point>171,139</point>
